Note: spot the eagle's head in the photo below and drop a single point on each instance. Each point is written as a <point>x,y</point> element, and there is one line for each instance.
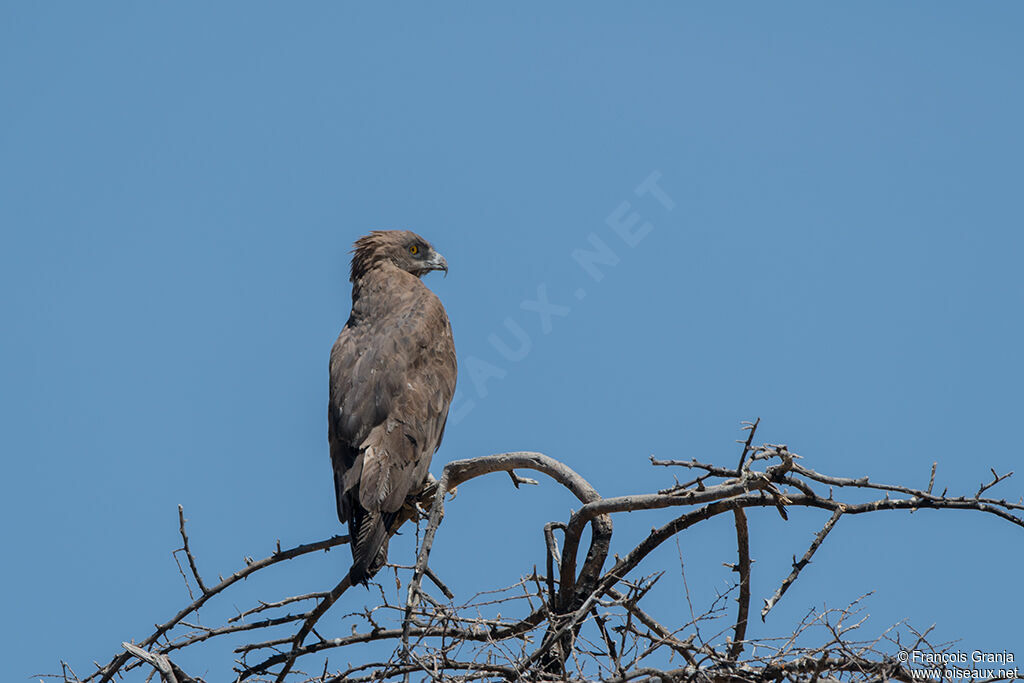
<point>402,248</point>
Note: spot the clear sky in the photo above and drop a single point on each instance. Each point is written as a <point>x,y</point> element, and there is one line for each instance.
<point>837,250</point>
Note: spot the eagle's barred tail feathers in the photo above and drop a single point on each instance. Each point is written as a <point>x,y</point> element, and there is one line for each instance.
<point>369,536</point>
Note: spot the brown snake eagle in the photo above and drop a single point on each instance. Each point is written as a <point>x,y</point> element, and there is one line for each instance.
<point>392,378</point>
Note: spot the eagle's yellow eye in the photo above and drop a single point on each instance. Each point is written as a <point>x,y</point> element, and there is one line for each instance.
<point>414,249</point>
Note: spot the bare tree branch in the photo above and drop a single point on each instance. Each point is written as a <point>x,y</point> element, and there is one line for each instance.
<point>798,566</point>
<point>169,672</point>
<point>564,624</point>
<point>188,551</point>
<point>743,567</point>
<point>105,673</point>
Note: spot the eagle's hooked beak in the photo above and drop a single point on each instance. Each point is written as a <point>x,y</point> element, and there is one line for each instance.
<point>438,262</point>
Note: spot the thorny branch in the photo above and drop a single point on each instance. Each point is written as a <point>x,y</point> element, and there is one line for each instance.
<point>798,566</point>
<point>568,624</point>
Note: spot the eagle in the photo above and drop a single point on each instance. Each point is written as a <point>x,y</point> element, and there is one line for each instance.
<point>392,377</point>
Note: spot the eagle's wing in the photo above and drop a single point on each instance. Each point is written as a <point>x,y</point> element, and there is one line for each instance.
<point>392,378</point>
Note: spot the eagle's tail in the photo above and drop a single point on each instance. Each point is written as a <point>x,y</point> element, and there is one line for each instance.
<point>369,539</point>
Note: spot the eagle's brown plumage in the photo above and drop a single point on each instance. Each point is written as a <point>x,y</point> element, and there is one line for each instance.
<point>392,379</point>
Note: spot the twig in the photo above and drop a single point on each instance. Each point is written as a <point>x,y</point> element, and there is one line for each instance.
<point>188,551</point>
<point>804,561</point>
<point>273,605</point>
<point>612,652</point>
<point>307,626</point>
<point>751,428</point>
<point>552,556</point>
<point>996,478</point>
<point>439,583</point>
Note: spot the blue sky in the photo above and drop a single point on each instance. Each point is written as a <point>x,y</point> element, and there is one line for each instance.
<point>180,186</point>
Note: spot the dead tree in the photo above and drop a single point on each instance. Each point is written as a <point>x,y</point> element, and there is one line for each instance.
<point>574,620</point>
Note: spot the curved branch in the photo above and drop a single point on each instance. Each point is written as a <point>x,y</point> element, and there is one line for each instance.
<point>459,471</point>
